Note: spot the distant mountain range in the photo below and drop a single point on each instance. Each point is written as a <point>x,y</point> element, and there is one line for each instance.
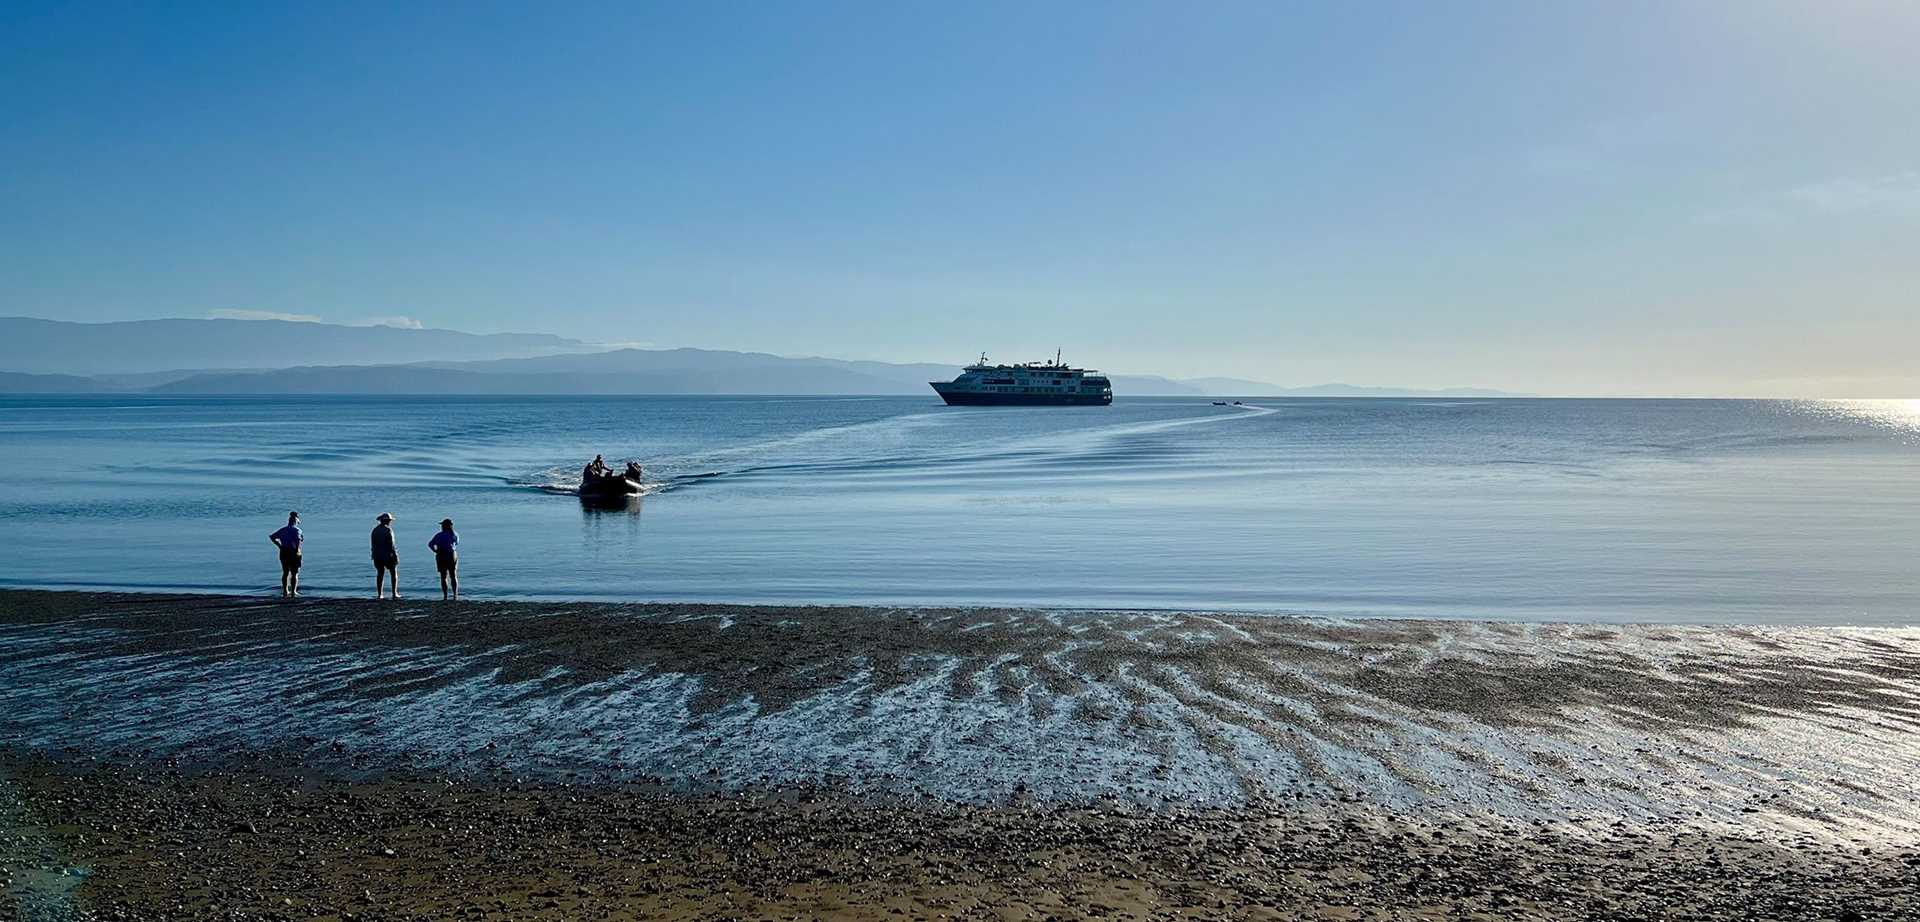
<point>59,347</point>
<point>251,357</point>
<point>622,371</point>
<point>13,382</point>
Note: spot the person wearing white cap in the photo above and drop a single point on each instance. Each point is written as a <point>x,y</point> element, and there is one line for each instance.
<point>386,557</point>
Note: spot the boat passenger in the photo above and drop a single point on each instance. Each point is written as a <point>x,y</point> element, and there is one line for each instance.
<point>446,558</point>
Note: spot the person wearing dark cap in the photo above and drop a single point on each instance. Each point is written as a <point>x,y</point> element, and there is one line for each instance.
<point>446,557</point>
<point>386,557</point>
<point>288,540</point>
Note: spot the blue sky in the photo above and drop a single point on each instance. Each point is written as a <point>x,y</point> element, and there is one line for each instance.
<point>1704,197</point>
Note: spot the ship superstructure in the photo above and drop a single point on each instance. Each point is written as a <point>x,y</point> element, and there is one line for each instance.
<point>1029,384</point>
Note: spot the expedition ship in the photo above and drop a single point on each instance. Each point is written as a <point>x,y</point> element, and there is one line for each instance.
<point>1033,384</point>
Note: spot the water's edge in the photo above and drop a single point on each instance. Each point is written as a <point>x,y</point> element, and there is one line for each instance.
<point>1799,731</point>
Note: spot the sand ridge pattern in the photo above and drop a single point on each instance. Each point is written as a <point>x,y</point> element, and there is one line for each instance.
<point>1784,731</point>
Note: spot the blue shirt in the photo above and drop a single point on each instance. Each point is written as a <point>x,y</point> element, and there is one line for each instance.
<point>444,542</point>
<point>288,537</point>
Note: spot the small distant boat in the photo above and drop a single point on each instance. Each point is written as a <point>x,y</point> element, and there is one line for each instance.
<point>603,486</point>
<point>610,486</point>
<point>1221,403</point>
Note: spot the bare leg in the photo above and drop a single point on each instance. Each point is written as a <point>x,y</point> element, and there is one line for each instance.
<point>285,591</point>
<point>379,581</point>
<point>443,585</point>
<point>293,582</point>
<point>453,576</point>
<point>393,576</point>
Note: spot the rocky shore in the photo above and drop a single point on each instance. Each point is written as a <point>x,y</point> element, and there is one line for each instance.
<point>200,758</point>
<point>159,845</point>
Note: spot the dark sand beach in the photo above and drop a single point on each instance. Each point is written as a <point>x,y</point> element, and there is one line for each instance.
<point>179,757</point>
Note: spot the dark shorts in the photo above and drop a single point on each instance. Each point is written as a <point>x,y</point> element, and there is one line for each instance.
<point>290,560</point>
<point>446,562</point>
<point>386,562</point>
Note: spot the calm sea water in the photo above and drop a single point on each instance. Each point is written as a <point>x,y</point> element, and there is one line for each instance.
<point>1803,512</point>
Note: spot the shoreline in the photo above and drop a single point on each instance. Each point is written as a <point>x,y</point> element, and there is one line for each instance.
<point>426,595</point>
<point>690,761</point>
<point>1531,721</point>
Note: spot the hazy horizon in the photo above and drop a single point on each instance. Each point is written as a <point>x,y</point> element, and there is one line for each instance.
<point>1708,199</point>
<point>1413,388</point>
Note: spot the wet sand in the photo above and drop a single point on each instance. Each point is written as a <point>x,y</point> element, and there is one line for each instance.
<point>176,757</point>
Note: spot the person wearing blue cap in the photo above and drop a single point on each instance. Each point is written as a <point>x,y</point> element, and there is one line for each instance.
<point>446,557</point>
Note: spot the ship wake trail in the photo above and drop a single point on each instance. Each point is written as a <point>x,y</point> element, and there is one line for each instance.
<point>902,448</point>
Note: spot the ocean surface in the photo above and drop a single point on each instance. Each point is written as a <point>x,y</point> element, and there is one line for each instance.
<point>1672,511</point>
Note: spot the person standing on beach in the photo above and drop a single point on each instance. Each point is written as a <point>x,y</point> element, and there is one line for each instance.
<point>446,557</point>
<point>288,540</point>
<point>386,557</point>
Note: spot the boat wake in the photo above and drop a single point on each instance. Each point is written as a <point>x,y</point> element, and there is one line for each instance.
<point>931,446</point>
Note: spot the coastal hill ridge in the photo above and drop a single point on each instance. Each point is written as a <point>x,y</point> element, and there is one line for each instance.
<point>240,357</point>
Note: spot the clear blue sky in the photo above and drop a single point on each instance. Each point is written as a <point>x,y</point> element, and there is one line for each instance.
<point>1671,197</point>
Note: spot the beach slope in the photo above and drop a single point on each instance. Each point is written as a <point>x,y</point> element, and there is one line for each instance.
<point>200,757</point>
